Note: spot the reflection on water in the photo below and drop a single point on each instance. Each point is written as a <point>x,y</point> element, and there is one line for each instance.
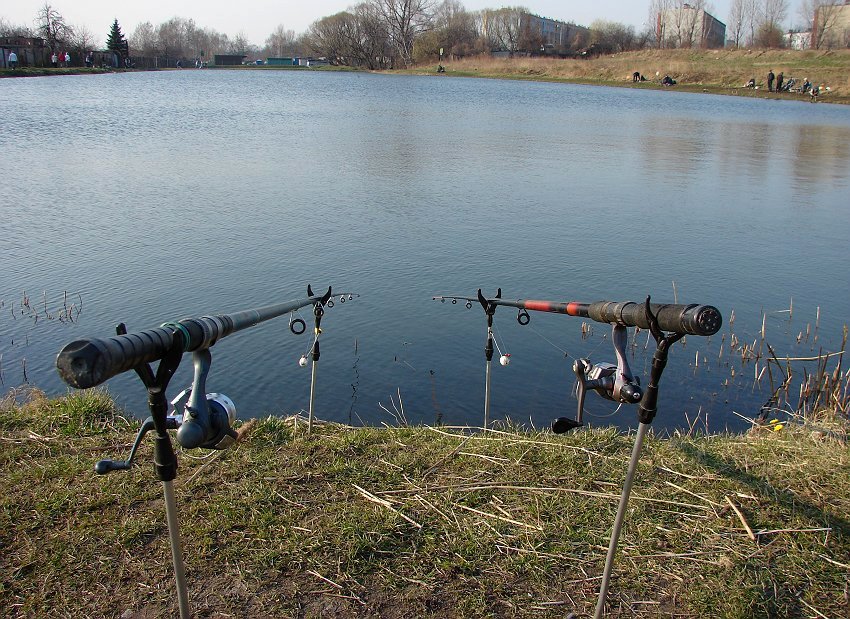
<point>802,155</point>
<point>163,195</point>
<point>821,155</point>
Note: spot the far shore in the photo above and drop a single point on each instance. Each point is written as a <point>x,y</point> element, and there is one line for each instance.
<point>722,72</point>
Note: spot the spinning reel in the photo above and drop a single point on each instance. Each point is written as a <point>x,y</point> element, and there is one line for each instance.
<point>201,419</point>
<point>612,382</point>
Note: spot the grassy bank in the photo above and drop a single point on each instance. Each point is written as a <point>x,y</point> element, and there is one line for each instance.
<point>422,521</point>
<point>44,71</point>
<point>713,71</point>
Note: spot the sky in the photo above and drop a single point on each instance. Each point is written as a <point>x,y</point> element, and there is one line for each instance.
<point>257,19</point>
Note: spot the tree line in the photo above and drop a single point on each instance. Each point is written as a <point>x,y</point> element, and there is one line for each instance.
<point>377,34</point>
<point>57,33</point>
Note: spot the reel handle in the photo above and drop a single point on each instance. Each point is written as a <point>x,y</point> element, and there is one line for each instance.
<point>102,467</point>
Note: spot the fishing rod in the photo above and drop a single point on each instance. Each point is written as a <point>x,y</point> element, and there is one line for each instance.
<point>206,418</point>
<point>667,323</point>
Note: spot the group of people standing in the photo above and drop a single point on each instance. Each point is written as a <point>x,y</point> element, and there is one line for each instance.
<point>779,80</point>
<point>63,59</point>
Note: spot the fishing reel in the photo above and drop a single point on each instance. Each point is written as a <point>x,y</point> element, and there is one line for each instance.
<point>612,382</point>
<point>201,419</point>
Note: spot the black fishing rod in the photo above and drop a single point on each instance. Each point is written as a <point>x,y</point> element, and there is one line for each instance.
<point>667,323</point>
<point>207,418</point>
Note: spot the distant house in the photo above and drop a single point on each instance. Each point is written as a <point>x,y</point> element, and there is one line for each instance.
<point>229,60</point>
<point>798,40</point>
<point>689,26</point>
<point>31,51</point>
<point>519,32</point>
<point>312,62</point>
<point>553,33</point>
<point>282,62</point>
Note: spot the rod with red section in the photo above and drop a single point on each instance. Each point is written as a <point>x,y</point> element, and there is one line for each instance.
<point>691,319</point>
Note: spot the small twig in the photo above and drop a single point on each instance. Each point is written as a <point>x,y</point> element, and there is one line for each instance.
<point>448,457</point>
<point>750,533</point>
<point>384,503</point>
<point>497,517</point>
<point>834,562</point>
<point>693,494</point>
<point>811,608</point>
<point>327,580</point>
<point>772,531</point>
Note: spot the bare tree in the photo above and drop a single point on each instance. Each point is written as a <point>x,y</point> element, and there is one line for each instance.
<point>8,29</point>
<point>820,16</point>
<point>239,44</point>
<point>281,41</point>
<point>507,28</point>
<point>405,20</point>
<point>370,38</point>
<point>171,38</point>
<point>657,10</point>
<point>769,30</point>
<point>177,38</point>
<point>736,23</point>
<point>774,13</point>
<point>684,22</point>
<point>455,28</point>
<point>51,26</point>
<point>83,40</point>
<point>485,29</point>
<point>143,40</point>
<point>613,36</point>
<point>331,37</point>
<point>752,12</point>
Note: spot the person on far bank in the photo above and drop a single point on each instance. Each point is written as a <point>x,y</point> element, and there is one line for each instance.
<point>67,59</point>
<point>779,79</point>
<point>770,78</point>
<point>54,59</point>
<point>13,60</point>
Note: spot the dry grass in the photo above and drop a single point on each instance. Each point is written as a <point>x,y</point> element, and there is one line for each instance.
<point>716,71</point>
<point>401,522</point>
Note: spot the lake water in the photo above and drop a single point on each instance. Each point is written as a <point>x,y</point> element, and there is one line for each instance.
<point>157,196</point>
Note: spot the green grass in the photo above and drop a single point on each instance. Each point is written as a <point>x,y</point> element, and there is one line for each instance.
<point>404,522</point>
<point>42,71</point>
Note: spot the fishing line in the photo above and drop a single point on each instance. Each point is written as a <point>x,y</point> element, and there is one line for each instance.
<point>551,343</point>
<point>604,415</point>
<point>496,341</point>
<point>303,360</point>
<point>356,382</point>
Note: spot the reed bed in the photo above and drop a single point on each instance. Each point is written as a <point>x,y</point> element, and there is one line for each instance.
<point>30,311</point>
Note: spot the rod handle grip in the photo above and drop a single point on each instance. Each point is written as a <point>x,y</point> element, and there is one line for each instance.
<point>691,319</point>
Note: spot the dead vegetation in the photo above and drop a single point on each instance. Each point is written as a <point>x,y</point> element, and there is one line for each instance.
<point>715,71</point>
<point>421,521</point>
